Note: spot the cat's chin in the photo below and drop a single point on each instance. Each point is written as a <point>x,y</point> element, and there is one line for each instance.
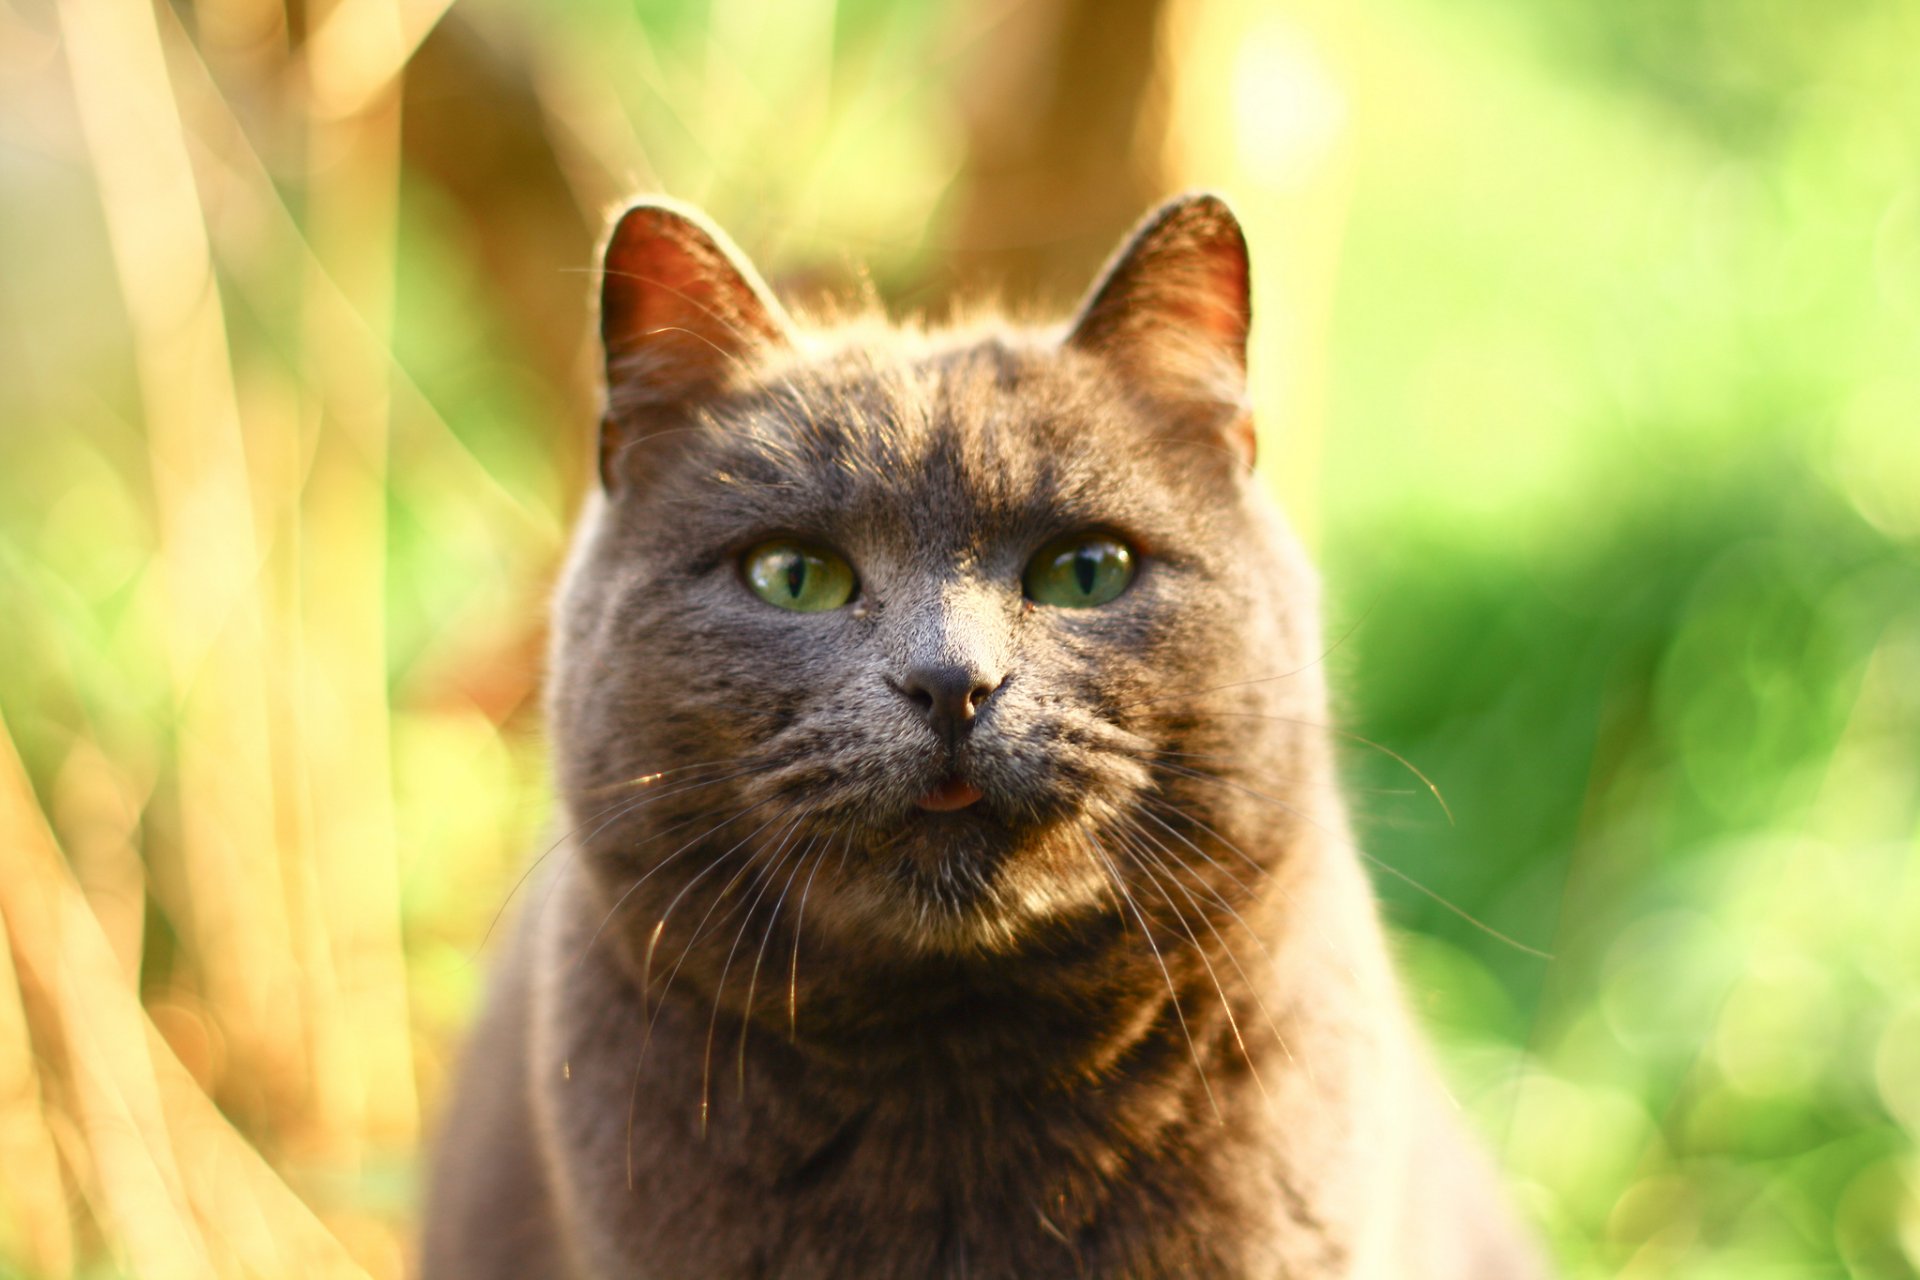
<point>958,847</point>
<point>963,882</point>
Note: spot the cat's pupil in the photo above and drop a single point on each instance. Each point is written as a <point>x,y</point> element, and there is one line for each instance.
<point>1085,564</point>
<point>796,575</point>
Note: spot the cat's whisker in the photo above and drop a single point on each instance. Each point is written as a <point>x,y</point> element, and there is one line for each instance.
<point>1312,922</point>
<point>1232,912</point>
<point>793,963</point>
<point>1109,885</point>
<point>633,805</point>
<point>605,817</point>
<point>1173,865</point>
<point>1173,995</point>
<point>1141,857</point>
<point>1133,825</point>
<point>646,980</point>
<point>1201,775</point>
<point>600,819</point>
<point>644,876</point>
<point>766,936</point>
<point>1238,759</point>
<point>1290,810</point>
<point>1246,684</point>
<point>655,776</point>
<point>769,871</point>
<point>659,926</point>
<point>1481,925</point>
<point>1432,786</point>
<point>650,1009</point>
<point>1261,874</point>
<point>1370,859</point>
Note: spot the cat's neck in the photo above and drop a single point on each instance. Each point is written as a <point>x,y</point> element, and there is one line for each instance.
<point>1151,992</point>
<point>1181,1104</point>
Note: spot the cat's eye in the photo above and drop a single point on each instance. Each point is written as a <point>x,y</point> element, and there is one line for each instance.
<point>1080,571</point>
<point>797,576</point>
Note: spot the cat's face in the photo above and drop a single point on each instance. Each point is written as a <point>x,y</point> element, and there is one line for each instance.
<point>921,631</point>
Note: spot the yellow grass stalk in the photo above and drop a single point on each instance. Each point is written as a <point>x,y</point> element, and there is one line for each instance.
<point>359,49</point>
<point>34,1228</point>
<point>239,926</point>
<point>180,1193</point>
<point>366,1084</point>
<point>96,806</point>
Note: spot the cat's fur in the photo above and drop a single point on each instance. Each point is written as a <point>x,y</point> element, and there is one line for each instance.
<point>1130,1015</point>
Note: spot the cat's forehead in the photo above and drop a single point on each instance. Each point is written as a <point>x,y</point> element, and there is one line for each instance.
<point>979,440</point>
<point>1010,404</point>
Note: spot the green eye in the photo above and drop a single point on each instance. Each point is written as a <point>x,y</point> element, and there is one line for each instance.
<point>1080,571</point>
<point>798,577</point>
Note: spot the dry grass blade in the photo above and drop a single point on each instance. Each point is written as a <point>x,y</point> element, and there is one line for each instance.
<point>209,549</point>
<point>363,1090</point>
<point>175,1190</point>
<point>33,1218</point>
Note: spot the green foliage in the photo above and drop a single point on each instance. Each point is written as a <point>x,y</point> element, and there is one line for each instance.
<point>1626,531</point>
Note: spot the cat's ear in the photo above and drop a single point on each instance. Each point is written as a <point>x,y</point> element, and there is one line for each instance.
<point>1170,315</point>
<point>682,314</point>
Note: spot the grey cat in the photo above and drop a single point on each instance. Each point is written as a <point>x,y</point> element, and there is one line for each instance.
<point>957,884</point>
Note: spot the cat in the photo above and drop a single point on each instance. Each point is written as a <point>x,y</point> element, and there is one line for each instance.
<point>957,883</point>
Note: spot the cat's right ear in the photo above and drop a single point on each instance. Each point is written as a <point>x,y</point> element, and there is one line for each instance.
<point>682,316</point>
<point>1170,316</point>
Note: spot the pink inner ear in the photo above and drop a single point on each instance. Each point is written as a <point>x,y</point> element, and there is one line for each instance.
<point>1196,279</point>
<point>655,288</point>
<point>1171,318</point>
<point>1209,296</point>
<point>678,313</point>
<point>1180,283</point>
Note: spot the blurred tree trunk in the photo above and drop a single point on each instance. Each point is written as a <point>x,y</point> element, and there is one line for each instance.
<point>474,128</point>
<point>1063,111</point>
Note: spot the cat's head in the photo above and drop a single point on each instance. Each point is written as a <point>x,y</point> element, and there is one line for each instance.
<point>959,639</point>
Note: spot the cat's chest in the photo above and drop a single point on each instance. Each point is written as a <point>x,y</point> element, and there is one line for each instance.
<point>803,1178</point>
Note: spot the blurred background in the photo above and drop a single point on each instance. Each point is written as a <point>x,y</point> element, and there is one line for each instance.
<point>1586,357</point>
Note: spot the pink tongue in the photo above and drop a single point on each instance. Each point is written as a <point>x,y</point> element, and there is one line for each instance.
<point>948,796</point>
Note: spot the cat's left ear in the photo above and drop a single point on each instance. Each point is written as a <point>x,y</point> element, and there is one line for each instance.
<point>1170,314</point>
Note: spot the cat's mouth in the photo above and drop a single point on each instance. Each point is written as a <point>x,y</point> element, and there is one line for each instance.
<point>949,796</point>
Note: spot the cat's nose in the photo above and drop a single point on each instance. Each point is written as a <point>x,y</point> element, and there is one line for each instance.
<point>949,695</point>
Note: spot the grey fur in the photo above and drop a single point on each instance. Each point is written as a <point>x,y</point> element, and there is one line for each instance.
<point>1129,1015</point>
